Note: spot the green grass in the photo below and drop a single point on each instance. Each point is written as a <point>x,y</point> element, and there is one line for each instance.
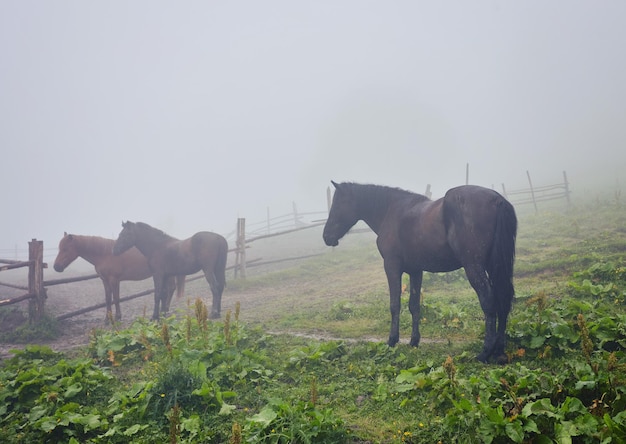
<point>45,329</point>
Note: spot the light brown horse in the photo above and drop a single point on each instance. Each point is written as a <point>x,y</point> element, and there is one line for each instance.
<point>130,266</point>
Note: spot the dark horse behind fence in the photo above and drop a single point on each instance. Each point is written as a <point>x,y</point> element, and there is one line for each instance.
<point>98,251</point>
<point>168,256</point>
<point>470,227</point>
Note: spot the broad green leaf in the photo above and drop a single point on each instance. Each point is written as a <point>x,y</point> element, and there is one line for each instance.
<point>73,390</point>
<point>227,409</point>
<point>514,431</point>
<point>133,429</point>
<point>265,416</point>
<point>537,341</point>
<point>542,406</point>
<point>564,431</point>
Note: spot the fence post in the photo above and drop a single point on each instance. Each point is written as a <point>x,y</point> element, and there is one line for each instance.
<point>566,185</point>
<point>240,261</point>
<point>35,281</point>
<point>532,191</point>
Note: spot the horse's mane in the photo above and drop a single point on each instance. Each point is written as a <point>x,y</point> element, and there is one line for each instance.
<point>156,232</point>
<point>378,196</point>
<point>95,244</point>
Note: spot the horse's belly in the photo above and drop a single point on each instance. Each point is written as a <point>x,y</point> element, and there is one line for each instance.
<point>434,264</point>
<point>442,268</point>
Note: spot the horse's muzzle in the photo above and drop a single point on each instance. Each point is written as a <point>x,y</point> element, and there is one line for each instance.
<point>58,268</point>
<point>331,242</point>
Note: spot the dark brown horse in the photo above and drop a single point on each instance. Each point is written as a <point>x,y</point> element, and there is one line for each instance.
<point>168,256</point>
<point>98,251</point>
<point>470,227</point>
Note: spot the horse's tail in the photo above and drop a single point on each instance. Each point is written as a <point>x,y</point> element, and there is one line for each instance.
<point>180,286</point>
<point>500,267</point>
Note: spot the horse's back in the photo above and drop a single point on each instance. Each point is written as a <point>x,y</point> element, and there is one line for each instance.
<point>193,254</point>
<point>207,242</point>
<point>130,265</point>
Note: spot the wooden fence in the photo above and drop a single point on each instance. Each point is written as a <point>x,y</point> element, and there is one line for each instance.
<point>36,289</point>
<point>532,194</point>
<point>243,243</point>
<point>36,292</point>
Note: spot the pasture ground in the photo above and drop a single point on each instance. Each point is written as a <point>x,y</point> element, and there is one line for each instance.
<point>341,295</point>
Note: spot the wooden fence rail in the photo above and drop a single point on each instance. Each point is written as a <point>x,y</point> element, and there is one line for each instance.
<point>533,194</point>
<point>243,242</point>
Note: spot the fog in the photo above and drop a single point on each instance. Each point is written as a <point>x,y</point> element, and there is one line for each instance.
<point>187,115</point>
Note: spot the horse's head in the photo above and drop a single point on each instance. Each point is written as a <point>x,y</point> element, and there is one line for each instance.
<point>68,252</point>
<point>126,238</point>
<point>342,215</point>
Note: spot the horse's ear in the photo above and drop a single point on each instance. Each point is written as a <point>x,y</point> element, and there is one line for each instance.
<point>64,233</point>
<point>335,184</point>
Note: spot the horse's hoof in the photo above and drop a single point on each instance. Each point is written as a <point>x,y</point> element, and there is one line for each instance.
<point>392,342</point>
<point>502,359</point>
<point>483,357</point>
<point>415,342</point>
<point>215,315</point>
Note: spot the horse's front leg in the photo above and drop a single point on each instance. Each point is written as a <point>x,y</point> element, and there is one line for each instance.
<point>394,279</point>
<point>116,300</point>
<point>158,290</point>
<point>107,300</point>
<point>415,306</point>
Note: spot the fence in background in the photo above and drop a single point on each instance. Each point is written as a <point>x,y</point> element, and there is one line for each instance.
<point>533,195</point>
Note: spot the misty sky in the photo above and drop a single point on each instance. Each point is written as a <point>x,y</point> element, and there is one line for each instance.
<point>187,115</point>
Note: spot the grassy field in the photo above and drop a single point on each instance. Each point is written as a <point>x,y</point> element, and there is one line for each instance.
<point>300,356</point>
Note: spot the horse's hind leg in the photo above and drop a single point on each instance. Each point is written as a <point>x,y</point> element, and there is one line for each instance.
<point>159,288</point>
<point>170,287</point>
<point>479,280</point>
<point>504,307</point>
<point>217,288</point>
